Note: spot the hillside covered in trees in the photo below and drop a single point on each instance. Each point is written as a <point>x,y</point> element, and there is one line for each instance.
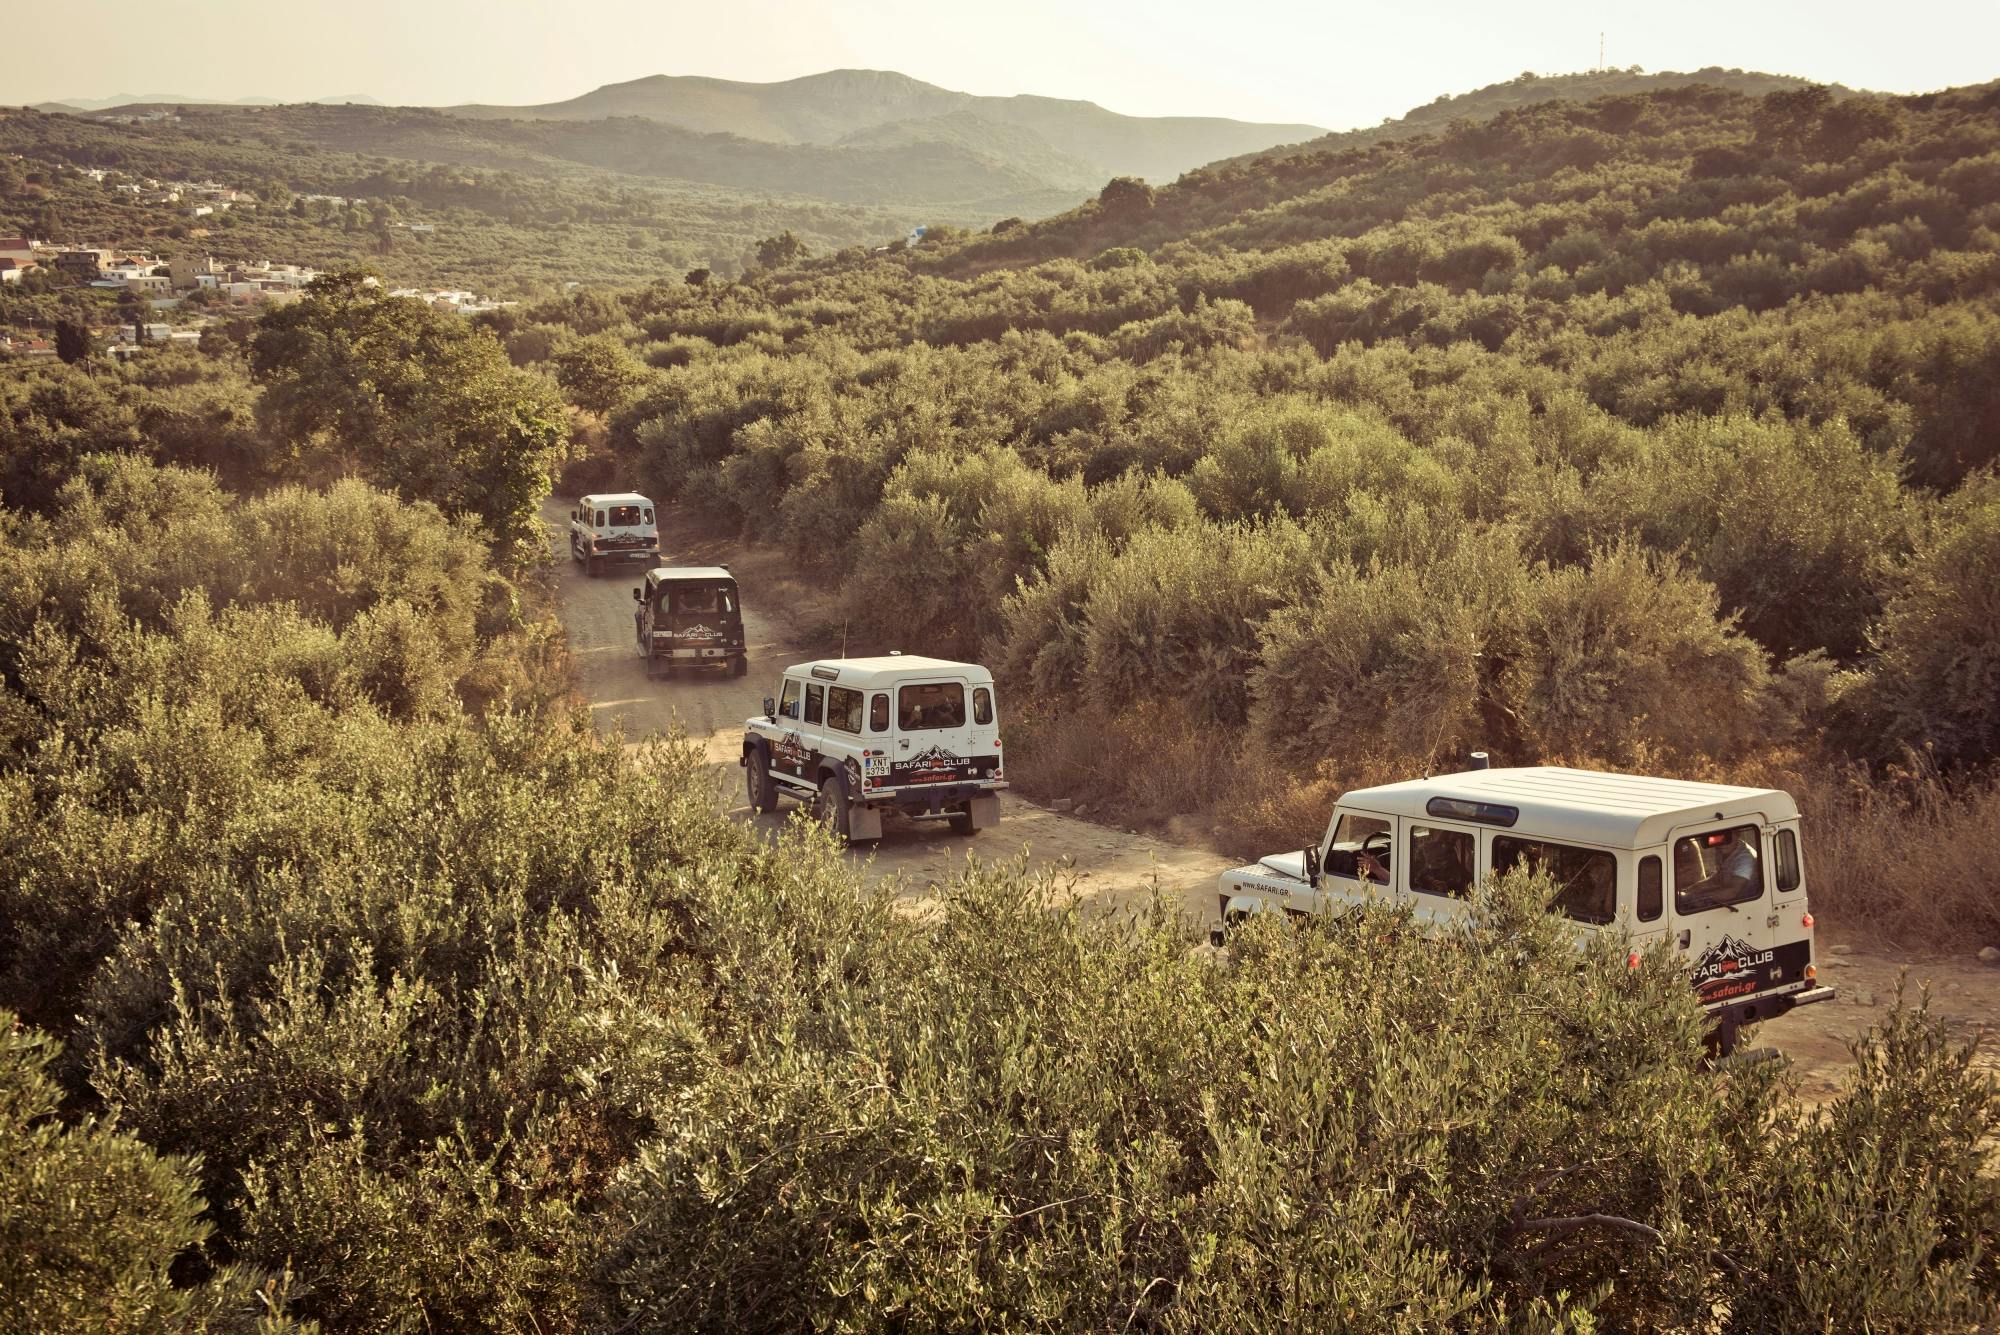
<point>350,981</point>
<point>1657,427</point>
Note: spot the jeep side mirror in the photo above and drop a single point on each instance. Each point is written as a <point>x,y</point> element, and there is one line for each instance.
<point>770,709</point>
<point>1312,865</point>
<point>638,597</point>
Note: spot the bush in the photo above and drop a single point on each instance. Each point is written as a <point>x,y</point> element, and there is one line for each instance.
<point>1335,1125</point>
<point>92,1222</point>
<point>1627,660</point>
<point>1935,681</point>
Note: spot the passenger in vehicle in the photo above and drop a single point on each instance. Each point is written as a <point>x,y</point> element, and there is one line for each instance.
<point>697,600</point>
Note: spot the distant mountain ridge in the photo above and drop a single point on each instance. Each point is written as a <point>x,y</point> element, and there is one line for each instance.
<point>827,109</point>
<point>1485,103</point>
<point>118,100</point>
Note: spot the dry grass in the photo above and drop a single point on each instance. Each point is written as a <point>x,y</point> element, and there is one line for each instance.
<point>1912,860</point>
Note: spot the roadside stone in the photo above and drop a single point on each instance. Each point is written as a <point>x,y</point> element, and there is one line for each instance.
<point>1989,955</point>
<point>1864,998</point>
<point>1840,950</point>
<point>1062,804</point>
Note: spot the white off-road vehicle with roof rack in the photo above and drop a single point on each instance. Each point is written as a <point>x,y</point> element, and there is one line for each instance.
<point>689,617</point>
<point>1715,870</point>
<point>614,527</point>
<point>858,737</point>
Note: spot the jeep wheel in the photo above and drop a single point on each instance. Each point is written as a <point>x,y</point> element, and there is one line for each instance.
<point>757,779</point>
<point>961,822</point>
<point>590,567</point>
<point>832,807</point>
<point>740,666</point>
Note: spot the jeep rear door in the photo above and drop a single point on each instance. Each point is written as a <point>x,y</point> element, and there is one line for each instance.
<point>1722,914</point>
<point>933,718</point>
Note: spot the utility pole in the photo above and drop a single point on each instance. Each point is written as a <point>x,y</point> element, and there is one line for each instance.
<point>1600,53</point>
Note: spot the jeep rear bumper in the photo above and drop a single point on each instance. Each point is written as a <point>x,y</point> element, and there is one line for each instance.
<point>1761,1006</point>
<point>930,799</point>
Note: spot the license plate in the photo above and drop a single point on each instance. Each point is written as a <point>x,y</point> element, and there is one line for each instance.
<point>874,767</point>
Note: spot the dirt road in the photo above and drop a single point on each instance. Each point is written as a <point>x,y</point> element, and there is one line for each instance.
<point>782,616</point>
<point>1109,866</point>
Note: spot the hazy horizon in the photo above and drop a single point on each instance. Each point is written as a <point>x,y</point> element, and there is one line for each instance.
<point>1268,60</point>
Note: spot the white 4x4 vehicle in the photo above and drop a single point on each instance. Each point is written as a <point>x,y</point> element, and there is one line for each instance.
<point>608,528</point>
<point>860,736</point>
<point>1714,870</point>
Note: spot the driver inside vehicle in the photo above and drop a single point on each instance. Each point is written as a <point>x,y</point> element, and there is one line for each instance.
<point>1734,879</point>
<point>1374,863</point>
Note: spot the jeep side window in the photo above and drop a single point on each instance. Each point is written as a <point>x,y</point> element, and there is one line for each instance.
<point>843,708</point>
<point>1788,861</point>
<point>982,706</point>
<point>1441,861</point>
<point>646,515</point>
<point>878,713</point>
<point>1717,869</point>
<point>1586,879</point>
<point>1649,888</point>
<point>600,519</point>
<point>788,704</point>
<point>815,702</point>
<point>1360,848</point>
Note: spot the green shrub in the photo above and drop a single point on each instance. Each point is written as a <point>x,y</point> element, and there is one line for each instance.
<point>92,1221</point>
<point>1934,684</point>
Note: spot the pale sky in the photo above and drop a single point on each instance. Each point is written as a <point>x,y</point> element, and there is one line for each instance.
<point>1337,65</point>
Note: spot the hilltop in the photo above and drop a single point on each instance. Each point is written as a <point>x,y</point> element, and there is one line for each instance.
<point>1528,89</point>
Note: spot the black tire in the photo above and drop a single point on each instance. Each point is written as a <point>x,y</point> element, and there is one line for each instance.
<point>740,666</point>
<point>832,807</point>
<point>757,780</point>
<point>961,822</point>
<point>590,567</point>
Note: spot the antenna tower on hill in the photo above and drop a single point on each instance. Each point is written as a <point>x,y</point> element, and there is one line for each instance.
<point>1600,53</point>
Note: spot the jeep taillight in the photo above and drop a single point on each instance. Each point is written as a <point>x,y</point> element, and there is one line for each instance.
<point>1632,960</point>
<point>1806,922</point>
<point>1812,972</point>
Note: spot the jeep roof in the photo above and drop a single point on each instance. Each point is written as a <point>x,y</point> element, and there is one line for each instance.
<point>1588,806</point>
<point>886,668</point>
<point>664,573</point>
<point>614,498</point>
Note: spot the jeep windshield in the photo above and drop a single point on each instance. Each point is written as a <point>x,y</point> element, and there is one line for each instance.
<point>630,516</point>
<point>699,599</point>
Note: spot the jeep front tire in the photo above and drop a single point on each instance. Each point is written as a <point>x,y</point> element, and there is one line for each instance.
<point>757,780</point>
<point>833,807</point>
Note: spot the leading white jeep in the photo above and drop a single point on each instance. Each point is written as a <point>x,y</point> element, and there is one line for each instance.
<point>615,527</point>
<point>857,737</point>
<point>1715,870</point>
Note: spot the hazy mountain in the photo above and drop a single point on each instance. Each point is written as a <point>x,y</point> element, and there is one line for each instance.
<point>833,107</point>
